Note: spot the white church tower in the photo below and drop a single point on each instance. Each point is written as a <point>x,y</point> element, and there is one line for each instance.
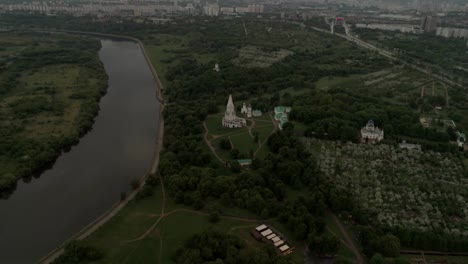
<point>230,119</point>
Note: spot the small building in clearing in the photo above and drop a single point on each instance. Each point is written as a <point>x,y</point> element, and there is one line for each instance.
<point>245,162</point>
<point>371,133</point>
<point>281,115</point>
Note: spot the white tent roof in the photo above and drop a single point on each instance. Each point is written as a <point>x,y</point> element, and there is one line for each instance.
<point>266,232</point>
<point>284,248</point>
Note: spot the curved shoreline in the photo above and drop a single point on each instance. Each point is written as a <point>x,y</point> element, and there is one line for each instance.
<point>111,212</point>
<point>7,191</point>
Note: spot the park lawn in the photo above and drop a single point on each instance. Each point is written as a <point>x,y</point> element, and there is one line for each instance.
<point>130,223</point>
<point>164,55</point>
<point>294,91</point>
<point>299,128</point>
<point>262,152</point>
<point>244,143</point>
<point>156,55</point>
<point>343,251</point>
<point>177,228</point>
<point>436,89</point>
<point>264,131</point>
<point>223,154</point>
<point>62,78</point>
<point>327,82</point>
<point>264,118</point>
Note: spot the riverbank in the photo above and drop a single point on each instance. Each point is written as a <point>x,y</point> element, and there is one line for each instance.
<point>101,220</point>
<point>49,99</point>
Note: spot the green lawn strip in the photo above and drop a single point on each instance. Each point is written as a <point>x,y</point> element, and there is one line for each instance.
<point>177,228</point>
<point>299,128</point>
<point>344,250</point>
<point>264,131</point>
<point>243,142</point>
<point>262,152</point>
<point>157,56</point>
<point>293,91</point>
<point>264,117</point>
<point>130,223</point>
<point>223,154</point>
<point>327,82</point>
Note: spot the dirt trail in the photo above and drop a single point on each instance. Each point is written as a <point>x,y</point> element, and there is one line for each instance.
<point>349,241</point>
<point>208,143</point>
<point>163,215</point>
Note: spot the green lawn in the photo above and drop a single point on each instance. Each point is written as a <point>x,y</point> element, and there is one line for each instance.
<point>162,243</point>
<point>224,154</point>
<point>264,131</point>
<point>344,250</point>
<point>243,142</point>
<point>294,91</point>
<point>327,82</point>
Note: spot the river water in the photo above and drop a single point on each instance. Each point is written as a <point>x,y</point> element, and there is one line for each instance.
<point>87,180</point>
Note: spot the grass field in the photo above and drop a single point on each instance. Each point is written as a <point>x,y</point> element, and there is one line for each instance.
<point>115,237</point>
<point>344,250</point>
<point>240,138</point>
<point>327,82</point>
<point>243,142</point>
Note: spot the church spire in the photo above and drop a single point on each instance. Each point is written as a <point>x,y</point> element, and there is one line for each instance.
<point>230,110</point>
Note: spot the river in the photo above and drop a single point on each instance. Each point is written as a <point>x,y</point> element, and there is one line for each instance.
<point>86,181</point>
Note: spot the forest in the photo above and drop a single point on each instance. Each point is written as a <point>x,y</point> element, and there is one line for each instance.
<point>49,93</point>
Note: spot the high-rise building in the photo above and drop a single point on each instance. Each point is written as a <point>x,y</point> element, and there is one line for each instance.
<point>429,24</point>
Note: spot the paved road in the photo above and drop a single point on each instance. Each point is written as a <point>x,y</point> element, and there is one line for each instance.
<point>348,36</point>
<point>392,56</point>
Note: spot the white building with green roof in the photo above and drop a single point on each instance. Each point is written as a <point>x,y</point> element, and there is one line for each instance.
<point>281,115</point>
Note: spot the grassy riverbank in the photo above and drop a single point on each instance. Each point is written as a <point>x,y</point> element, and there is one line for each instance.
<point>50,86</point>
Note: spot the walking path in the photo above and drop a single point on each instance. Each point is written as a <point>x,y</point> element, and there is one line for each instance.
<point>163,215</point>
<point>208,143</point>
<point>228,135</point>
<point>349,241</point>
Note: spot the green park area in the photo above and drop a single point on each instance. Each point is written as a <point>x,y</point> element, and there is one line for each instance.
<point>48,98</point>
<point>239,143</point>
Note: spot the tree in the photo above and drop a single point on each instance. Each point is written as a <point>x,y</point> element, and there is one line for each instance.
<point>225,144</point>
<point>377,259</point>
<point>78,252</point>
<point>235,167</point>
<point>388,245</point>
<point>214,216</point>
<point>135,183</point>
<point>234,154</point>
<point>324,244</point>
